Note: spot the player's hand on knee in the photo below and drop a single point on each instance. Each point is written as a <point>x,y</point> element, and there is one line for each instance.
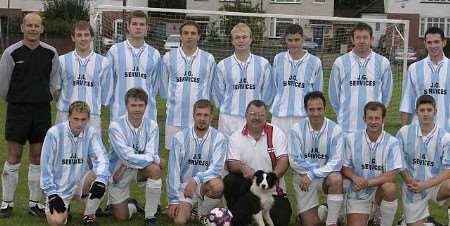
<point>55,203</point>
<point>173,210</point>
<point>97,190</point>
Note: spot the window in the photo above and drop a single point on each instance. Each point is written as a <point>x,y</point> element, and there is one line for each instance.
<point>118,29</point>
<point>441,22</point>
<point>286,1</point>
<point>278,27</point>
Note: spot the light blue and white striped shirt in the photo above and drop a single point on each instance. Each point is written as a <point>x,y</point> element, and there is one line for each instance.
<point>424,77</point>
<point>424,156</point>
<point>184,81</point>
<point>192,157</point>
<point>293,80</point>
<point>354,81</point>
<point>86,79</point>
<point>369,159</point>
<point>64,159</point>
<point>134,147</point>
<point>316,153</point>
<point>237,83</point>
<point>134,68</point>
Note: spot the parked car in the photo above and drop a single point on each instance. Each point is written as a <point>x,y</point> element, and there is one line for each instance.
<point>173,41</point>
<point>411,55</point>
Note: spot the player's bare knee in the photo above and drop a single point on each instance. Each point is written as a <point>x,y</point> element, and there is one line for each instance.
<point>120,212</point>
<point>334,180</point>
<point>214,188</point>
<point>56,219</point>
<point>179,220</point>
<point>152,171</point>
<point>14,155</point>
<point>389,190</point>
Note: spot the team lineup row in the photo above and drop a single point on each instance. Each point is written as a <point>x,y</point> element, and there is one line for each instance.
<point>32,73</point>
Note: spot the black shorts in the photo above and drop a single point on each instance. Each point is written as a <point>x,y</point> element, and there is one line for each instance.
<point>26,121</point>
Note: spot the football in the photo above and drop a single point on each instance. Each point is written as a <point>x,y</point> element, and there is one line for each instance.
<point>219,217</point>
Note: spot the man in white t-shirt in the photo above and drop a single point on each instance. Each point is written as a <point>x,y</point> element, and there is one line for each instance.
<point>248,152</point>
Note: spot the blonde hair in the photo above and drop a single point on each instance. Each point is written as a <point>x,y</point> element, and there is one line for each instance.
<point>79,106</point>
<point>241,27</point>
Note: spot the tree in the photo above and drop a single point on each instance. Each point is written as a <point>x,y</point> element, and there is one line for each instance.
<point>255,23</point>
<point>60,15</point>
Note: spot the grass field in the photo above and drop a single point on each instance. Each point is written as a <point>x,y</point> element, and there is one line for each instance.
<point>21,217</point>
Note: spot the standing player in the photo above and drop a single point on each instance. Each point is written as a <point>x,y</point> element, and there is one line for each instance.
<point>134,157</point>
<point>296,73</point>
<point>240,78</point>
<point>196,161</point>
<point>358,77</point>
<point>135,64</point>
<point>429,76</point>
<point>65,172</point>
<point>186,77</point>
<point>28,78</point>
<point>426,173</point>
<point>85,75</point>
<point>372,161</point>
<point>315,155</point>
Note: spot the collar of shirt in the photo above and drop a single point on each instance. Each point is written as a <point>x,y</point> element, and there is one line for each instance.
<point>324,126</point>
<point>81,59</point>
<point>378,141</point>
<point>428,60</point>
<point>245,131</point>
<point>359,59</point>
<point>188,57</point>
<point>429,135</point>
<point>131,125</point>
<point>132,48</point>
<point>194,134</point>
<point>71,135</point>
<point>243,64</point>
<point>299,60</point>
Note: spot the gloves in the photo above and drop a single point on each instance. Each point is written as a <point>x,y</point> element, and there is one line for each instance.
<point>97,190</point>
<point>56,203</point>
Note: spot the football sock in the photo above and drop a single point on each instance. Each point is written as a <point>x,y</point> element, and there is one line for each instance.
<point>334,202</point>
<point>34,175</point>
<point>388,210</point>
<point>152,197</point>
<point>10,178</point>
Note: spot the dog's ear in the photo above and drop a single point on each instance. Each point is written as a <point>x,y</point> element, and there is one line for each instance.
<point>272,178</point>
<point>258,173</point>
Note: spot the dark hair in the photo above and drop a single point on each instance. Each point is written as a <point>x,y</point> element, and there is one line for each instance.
<point>136,93</point>
<point>82,25</point>
<point>425,99</point>
<point>314,95</point>
<point>256,103</point>
<point>79,106</point>
<point>362,27</point>
<point>293,29</point>
<point>435,30</point>
<point>137,14</point>
<point>203,103</point>
<point>190,23</point>
<point>374,106</point>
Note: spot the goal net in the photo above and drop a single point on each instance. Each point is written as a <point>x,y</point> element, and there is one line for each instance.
<point>325,37</point>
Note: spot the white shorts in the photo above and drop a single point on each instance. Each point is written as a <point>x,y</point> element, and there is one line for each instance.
<point>228,124</point>
<point>310,199</point>
<point>76,195</point>
<point>169,133</point>
<point>361,206</point>
<point>119,192</point>
<point>285,123</point>
<point>95,120</point>
<point>419,209</point>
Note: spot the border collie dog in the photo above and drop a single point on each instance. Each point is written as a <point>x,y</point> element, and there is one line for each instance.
<point>263,187</point>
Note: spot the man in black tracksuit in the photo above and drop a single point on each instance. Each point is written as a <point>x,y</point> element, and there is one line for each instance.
<point>29,73</point>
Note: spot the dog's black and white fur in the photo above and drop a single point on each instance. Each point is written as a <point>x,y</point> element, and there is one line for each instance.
<point>263,187</point>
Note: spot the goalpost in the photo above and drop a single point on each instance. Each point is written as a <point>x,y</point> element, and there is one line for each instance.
<point>325,37</point>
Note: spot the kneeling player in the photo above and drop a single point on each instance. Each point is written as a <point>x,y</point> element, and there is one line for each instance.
<point>315,155</point>
<point>196,162</point>
<point>425,151</point>
<point>372,160</point>
<point>65,169</point>
<point>134,157</point>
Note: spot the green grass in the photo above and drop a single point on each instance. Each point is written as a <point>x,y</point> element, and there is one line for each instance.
<point>21,217</point>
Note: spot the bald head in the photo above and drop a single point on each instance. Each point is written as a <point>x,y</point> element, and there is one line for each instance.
<point>32,29</point>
